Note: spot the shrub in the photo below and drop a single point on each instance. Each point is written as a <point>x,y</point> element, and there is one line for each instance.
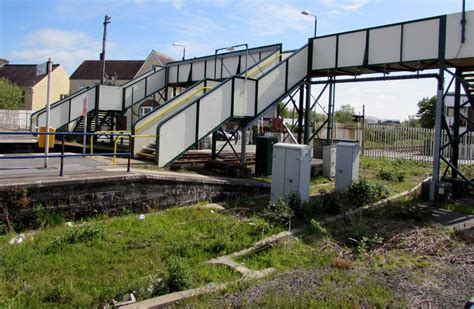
<point>177,276</point>
<point>279,212</point>
<point>366,192</point>
<point>46,217</point>
<point>391,175</point>
<point>76,235</point>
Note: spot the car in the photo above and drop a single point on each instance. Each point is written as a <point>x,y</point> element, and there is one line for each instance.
<point>221,137</point>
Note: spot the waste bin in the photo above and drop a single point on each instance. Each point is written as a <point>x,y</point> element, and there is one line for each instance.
<point>264,155</point>
<point>42,137</point>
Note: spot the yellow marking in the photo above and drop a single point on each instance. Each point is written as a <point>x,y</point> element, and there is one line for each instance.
<point>99,132</point>
<point>130,140</point>
<point>170,107</point>
<point>258,68</point>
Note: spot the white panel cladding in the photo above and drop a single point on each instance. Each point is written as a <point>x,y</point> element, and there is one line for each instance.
<point>210,68</point>
<point>58,116</point>
<point>134,93</point>
<point>147,125</point>
<point>297,67</point>
<point>384,45</point>
<point>230,65</point>
<point>198,71</point>
<point>173,74</point>
<point>351,49</point>
<point>155,82</point>
<point>324,53</point>
<point>420,40</point>
<point>265,54</point>
<point>268,85</point>
<point>184,72</point>
<point>110,98</point>
<point>78,101</point>
<point>244,97</point>
<point>454,48</point>
<point>264,66</point>
<point>176,135</point>
<point>214,108</point>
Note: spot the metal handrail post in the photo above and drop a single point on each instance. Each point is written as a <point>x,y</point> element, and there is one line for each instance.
<point>61,170</point>
<point>130,140</point>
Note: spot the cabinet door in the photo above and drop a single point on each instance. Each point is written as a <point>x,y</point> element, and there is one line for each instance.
<point>292,170</point>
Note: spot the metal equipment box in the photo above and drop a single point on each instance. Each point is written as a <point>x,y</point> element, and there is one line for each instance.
<point>291,170</point>
<point>264,155</point>
<point>347,164</point>
<point>329,161</point>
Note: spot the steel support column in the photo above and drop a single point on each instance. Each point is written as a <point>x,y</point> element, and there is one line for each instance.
<point>307,110</point>
<point>243,147</point>
<point>300,114</point>
<point>439,110</point>
<point>456,124</point>
<point>332,91</point>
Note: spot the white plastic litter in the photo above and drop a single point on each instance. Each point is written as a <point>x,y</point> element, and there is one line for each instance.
<point>69,224</point>
<point>212,211</point>
<point>141,217</point>
<point>18,239</point>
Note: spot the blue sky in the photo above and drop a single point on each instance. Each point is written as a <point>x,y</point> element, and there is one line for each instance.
<point>70,31</point>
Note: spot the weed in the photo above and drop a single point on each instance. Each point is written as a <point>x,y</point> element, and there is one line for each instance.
<point>177,277</point>
<point>367,243</point>
<point>365,192</point>
<point>83,234</point>
<point>318,227</point>
<point>279,213</point>
<point>12,199</point>
<point>46,217</point>
<point>391,175</point>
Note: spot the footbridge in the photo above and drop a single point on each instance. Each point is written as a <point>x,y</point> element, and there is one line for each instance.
<point>241,86</point>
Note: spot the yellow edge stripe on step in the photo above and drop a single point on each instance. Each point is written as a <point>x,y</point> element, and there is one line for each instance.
<point>168,109</point>
<point>130,140</point>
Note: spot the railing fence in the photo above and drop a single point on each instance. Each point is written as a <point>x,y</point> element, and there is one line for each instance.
<point>15,119</point>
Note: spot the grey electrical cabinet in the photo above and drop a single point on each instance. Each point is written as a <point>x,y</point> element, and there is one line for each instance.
<point>291,170</point>
<point>347,164</point>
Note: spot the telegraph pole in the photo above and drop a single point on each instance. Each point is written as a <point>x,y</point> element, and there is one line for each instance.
<point>102,54</point>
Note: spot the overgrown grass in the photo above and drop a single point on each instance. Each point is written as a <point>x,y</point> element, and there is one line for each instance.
<point>398,175</point>
<point>88,265</point>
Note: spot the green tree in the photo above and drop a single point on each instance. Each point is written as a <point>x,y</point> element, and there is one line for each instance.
<point>427,112</point>
<point>11,96</point>
<point>284,112</point>
<point>344,114</point>
<point>412,122</point>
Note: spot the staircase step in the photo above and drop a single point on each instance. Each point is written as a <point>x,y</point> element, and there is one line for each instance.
<point>146,155</point>
<point>149,149</point>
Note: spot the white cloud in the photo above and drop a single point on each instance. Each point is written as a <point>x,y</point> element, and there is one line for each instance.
<point>178,4</point>
<point>344,7</point>
<point>199,27</point>
<point>68,48</point>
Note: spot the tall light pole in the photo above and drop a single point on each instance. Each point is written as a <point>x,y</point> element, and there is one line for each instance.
<point>102,54</point>
<point>307,13</point>
<point>184,48</point>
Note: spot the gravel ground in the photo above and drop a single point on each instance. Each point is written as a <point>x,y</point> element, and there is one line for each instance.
<point>446,283</point>
<point>441,285</point>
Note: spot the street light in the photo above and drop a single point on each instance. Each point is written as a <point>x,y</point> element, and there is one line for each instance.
<point>307,13</point>
<point>230,49</point>
<point>181,45</point>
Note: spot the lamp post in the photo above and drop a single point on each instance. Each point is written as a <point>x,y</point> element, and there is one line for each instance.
<point>307,13</point>
<point>184,48</point>
<point>230,49</point>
